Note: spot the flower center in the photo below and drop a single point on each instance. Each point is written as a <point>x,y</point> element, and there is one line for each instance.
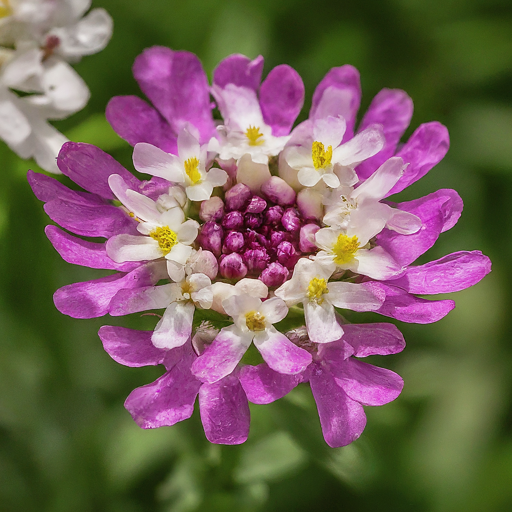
<point>5,8</point>
<point>165,237</point>
<point>186,290</point>
<point>321,156</point>
<point>345,249</point>
<point>255,321</point>
<point>255,136</point>
<point>316,289</point>
<point>192,170</point>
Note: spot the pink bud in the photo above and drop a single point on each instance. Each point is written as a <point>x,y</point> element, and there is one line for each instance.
<point>273,215</point>
<point>274,275</point>
<point>233,220</point>
<point>307,238</point>
<point>256,205</point>
<point>253,220</point>
<point>211,209</point>
<point>309,203</point>
<point>278,191</point>
<point>287,255</point>
<point>205,262</point>
<point>234,242</point>
<point>232,266</point>
<point>210,237</point>
<point>256,259</point>
<point>291,220</point>
<point>237,197</point>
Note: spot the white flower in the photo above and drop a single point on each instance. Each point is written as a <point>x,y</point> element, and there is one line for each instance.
<point>244,131</point>
<point>319,154</point>
<point>310,286</point>
<point>360,208</point>
<point>187,169</point>
<point>165,233</point>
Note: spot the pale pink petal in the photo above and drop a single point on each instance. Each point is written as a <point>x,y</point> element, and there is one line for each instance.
<point>329,131</point>
<point>133,248</point>
<point>362,146</point>
<point>129,301</point>
<point>374,339</point>
<point>357,297</point>
<point>152,160</point>
<point>321,322</point>
<point>274,310</point>
<point>175,327</point>
<point>377,264</point>
<point>381,181</point>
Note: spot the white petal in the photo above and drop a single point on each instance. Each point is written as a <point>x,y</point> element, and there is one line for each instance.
<point>308,176</point>
<point>180,253</point>
<point>187,232</point>
<point>329,131</point>
<point>152,160</point>
<point>241,304</point>
<point>200,192</point>
<point>381,181</point>
<point>216,177</point>
<point>172,218</point>
<point>122,248</point>
<point>176,271</point>
<point>14,125</point>
<point>253,287</point>
<point>377,264</point>
<point>364,145</point>
<point>252,174</point>
<point>175,327</point>
<point>331,180</point>
<point>188,145</point>
<point>404,223</point>
<point>352,296</point>
<point>298,157</point>
<point>321,322</point>
<point>274,310</point>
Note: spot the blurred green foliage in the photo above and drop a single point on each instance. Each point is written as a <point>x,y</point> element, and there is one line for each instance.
<point>445,445</point>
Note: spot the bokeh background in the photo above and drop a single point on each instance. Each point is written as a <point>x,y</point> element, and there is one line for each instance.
<point>445,445</point>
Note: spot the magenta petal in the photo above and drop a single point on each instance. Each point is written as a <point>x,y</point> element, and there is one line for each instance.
<point>338,94</point>
<point>368,384</point>
<point>91,299</point>
<point>87,254</point>
<point>263,385</point>
<point>90,167</point>
<point>130,347</point>
<point>373,339</point>
<point>280,353</point>
<point>90,220</point>
<point>46,189</point>
<point>425,148</point>
<point>281,99</point>
<point>222,356</point>
<point>177,86</point>
<point>239,70</point>
<point>391,108</point>
<point>452,273</point>
<point>342,419</point>
<point>135,121</point>
<point>406,307</point>
<point>224,411</point>
<point>166,401</point>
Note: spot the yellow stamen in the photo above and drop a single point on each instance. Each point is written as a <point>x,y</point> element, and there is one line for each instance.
<point>345,249</point>
<point>255,321</point>
<point>5,8</point>
<point>165,237</point>
<point>192,170</point>
<point>321,156</point>
<point>186,290</point>
<point>316,289</point>
<point>255,136</point>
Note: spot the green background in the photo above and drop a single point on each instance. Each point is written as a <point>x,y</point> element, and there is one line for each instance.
<point>445,445</point>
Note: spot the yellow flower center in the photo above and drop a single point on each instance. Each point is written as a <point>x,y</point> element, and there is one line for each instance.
<point>255,136</point>
<point>5,8</point>
<point>345,249</point>
<point>165,237</point>
<point>255,321</point>
<point>192,170</point>
<point>316,289</point>
<point>186,290</point>
<point>321,156</point>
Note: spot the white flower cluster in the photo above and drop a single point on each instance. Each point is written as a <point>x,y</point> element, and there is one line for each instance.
<point>38,38</point>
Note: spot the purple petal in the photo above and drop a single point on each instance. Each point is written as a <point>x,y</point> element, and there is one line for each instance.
<point>451,273</point>
<point>166,401</point>
<point>406,307</point>
<point>90,220</point>
<point>222,356</point>
<point>342,419</point>
<point>239,70</point>
<point>425,148</point>
<point>136,121</point>
<point>438,212</point>
<point>224,411</point>
<point>373,339</point>
<point>46,189</point>
<point>177,86</point>
<point>90,167</point>
<point>91,299</point>
<point>263,385</point>
<point>368,384</point>
<point>391,108</point>
<point>280,353</point>
<point>281,99</point>
<point>338,94</point>
<point>87,254</point>
<point>130,347</point>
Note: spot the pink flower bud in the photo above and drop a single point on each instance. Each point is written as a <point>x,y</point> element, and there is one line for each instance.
<point>211,209</point>
<point>287,255</point>
<point>253,220</point>
<point>276,237</point>
<point>309,203</point>
<point>278,191</point>
<point>210,237</point>
<point>307,237</point>
<point>255,240</point>
<point>237,197</point>
<point>232,266</point>
<point>204,262</point>
<point>273,215</point>
<point>256,205</point>
<point>233,220</point>
<point>291,220</point>
<point>234,242</point>
<point>274,275</point>
<point>256,259</point>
